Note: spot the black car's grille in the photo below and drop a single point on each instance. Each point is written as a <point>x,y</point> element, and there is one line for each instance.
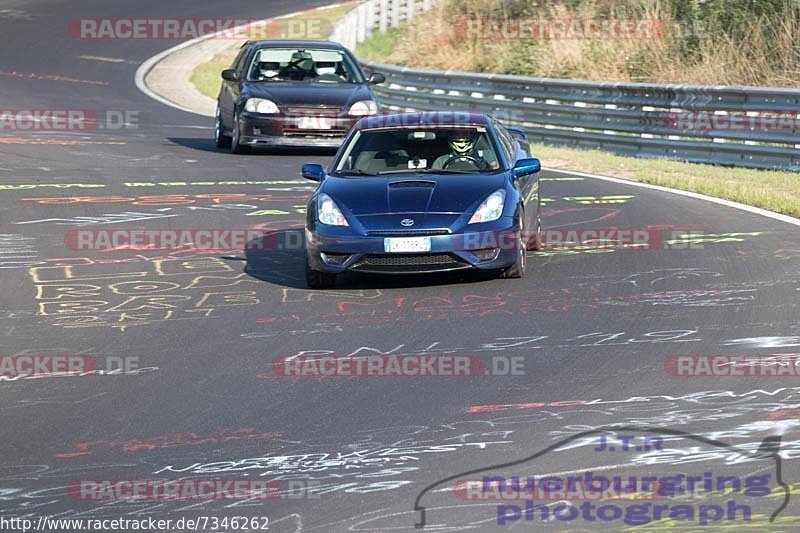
<point>408,262</point>
<point>407,232</point>
<point>332,133</point>
<point>314,111</point>
<point>296,116</point>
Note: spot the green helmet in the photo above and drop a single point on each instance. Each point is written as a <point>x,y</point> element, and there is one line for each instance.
<point>461,143</point>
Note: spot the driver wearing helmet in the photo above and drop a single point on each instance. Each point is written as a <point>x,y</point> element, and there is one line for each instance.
<point>462,148</point>
<point>268,70</point>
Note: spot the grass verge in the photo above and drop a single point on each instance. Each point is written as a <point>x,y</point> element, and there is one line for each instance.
<point>205,76</point>
<point>379,45</point>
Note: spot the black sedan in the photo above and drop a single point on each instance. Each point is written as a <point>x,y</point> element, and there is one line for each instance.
<point>291,93</point>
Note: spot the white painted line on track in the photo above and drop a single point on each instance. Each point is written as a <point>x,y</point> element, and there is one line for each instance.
<point>698,196</point>
<point>101,58</point>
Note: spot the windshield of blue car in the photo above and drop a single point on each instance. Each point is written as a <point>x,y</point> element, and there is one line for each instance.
<point>303,65</point>
<point>462,150</point>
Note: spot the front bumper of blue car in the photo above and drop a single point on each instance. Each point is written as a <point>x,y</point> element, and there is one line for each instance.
<point>337,249</point>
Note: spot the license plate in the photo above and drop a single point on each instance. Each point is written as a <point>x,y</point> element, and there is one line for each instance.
<point>407,244</point>
<point>315,123</point>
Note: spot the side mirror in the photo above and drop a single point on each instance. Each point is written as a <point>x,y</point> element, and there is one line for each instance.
<point>313,171</point>
<point>229,75</point>
<point>523,167</point>
<point>376,78</point>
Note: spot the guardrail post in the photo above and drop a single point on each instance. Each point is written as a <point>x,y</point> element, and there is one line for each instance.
<point>383,15</point>
<point>363,21</point>
<point>371,18</point>
<point>397,8</point>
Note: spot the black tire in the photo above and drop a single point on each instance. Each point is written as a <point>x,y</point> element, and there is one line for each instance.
<point>220,139</point>
<point>236,147</point>
<point>537,244</point>
<point>517,270</point>
<point>319,280</point>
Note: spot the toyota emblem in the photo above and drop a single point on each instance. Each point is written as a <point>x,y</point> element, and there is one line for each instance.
<point>407,222</point>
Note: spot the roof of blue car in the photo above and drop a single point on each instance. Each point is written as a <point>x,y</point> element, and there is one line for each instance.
<point>421,119</point>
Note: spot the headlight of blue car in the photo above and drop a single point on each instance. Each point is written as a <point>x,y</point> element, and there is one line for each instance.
<point>328,212</point>
<point>491,208</point>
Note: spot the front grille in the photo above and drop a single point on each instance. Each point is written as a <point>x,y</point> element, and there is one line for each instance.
<point>407,259</point>
<point>332,133</point>
<point>407,232</point>
<point>408,262</point>
<point>314,111</point>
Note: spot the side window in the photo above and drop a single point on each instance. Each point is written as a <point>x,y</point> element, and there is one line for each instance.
<point>239,62</point>
<point>506,142</point>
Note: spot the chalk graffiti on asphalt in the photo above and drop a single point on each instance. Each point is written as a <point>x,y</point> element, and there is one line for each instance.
<point>134,294</point>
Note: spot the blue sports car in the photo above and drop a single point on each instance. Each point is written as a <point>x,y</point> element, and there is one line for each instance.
<point>423,192</point>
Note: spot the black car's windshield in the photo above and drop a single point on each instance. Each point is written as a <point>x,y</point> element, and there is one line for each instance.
<point>305,65</point>
<point>462,150</point>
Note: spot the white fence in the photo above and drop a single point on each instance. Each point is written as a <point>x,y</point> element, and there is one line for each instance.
<point>375,15</point>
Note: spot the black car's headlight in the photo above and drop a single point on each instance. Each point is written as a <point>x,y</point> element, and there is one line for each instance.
<point>261,105</point>
<point>491,208</point>
<point>363,108</point>
<point>328,212</point>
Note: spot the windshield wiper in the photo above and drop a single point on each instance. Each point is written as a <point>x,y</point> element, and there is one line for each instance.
<point>426,171</point>
<point>401,171</point>
<point>448,171</point>
<point>353,172</point>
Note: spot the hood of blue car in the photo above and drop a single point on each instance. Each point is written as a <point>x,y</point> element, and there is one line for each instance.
<point>413,194</point>
<point>309,94</point>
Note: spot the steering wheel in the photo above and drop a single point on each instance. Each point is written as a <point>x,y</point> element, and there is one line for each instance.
<point>479,164</point>
<point>294,71</point>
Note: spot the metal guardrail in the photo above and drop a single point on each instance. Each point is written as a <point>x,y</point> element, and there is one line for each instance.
<point>685,122</point>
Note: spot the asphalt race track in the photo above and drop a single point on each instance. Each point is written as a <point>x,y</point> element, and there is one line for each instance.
<point>589,330</point>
